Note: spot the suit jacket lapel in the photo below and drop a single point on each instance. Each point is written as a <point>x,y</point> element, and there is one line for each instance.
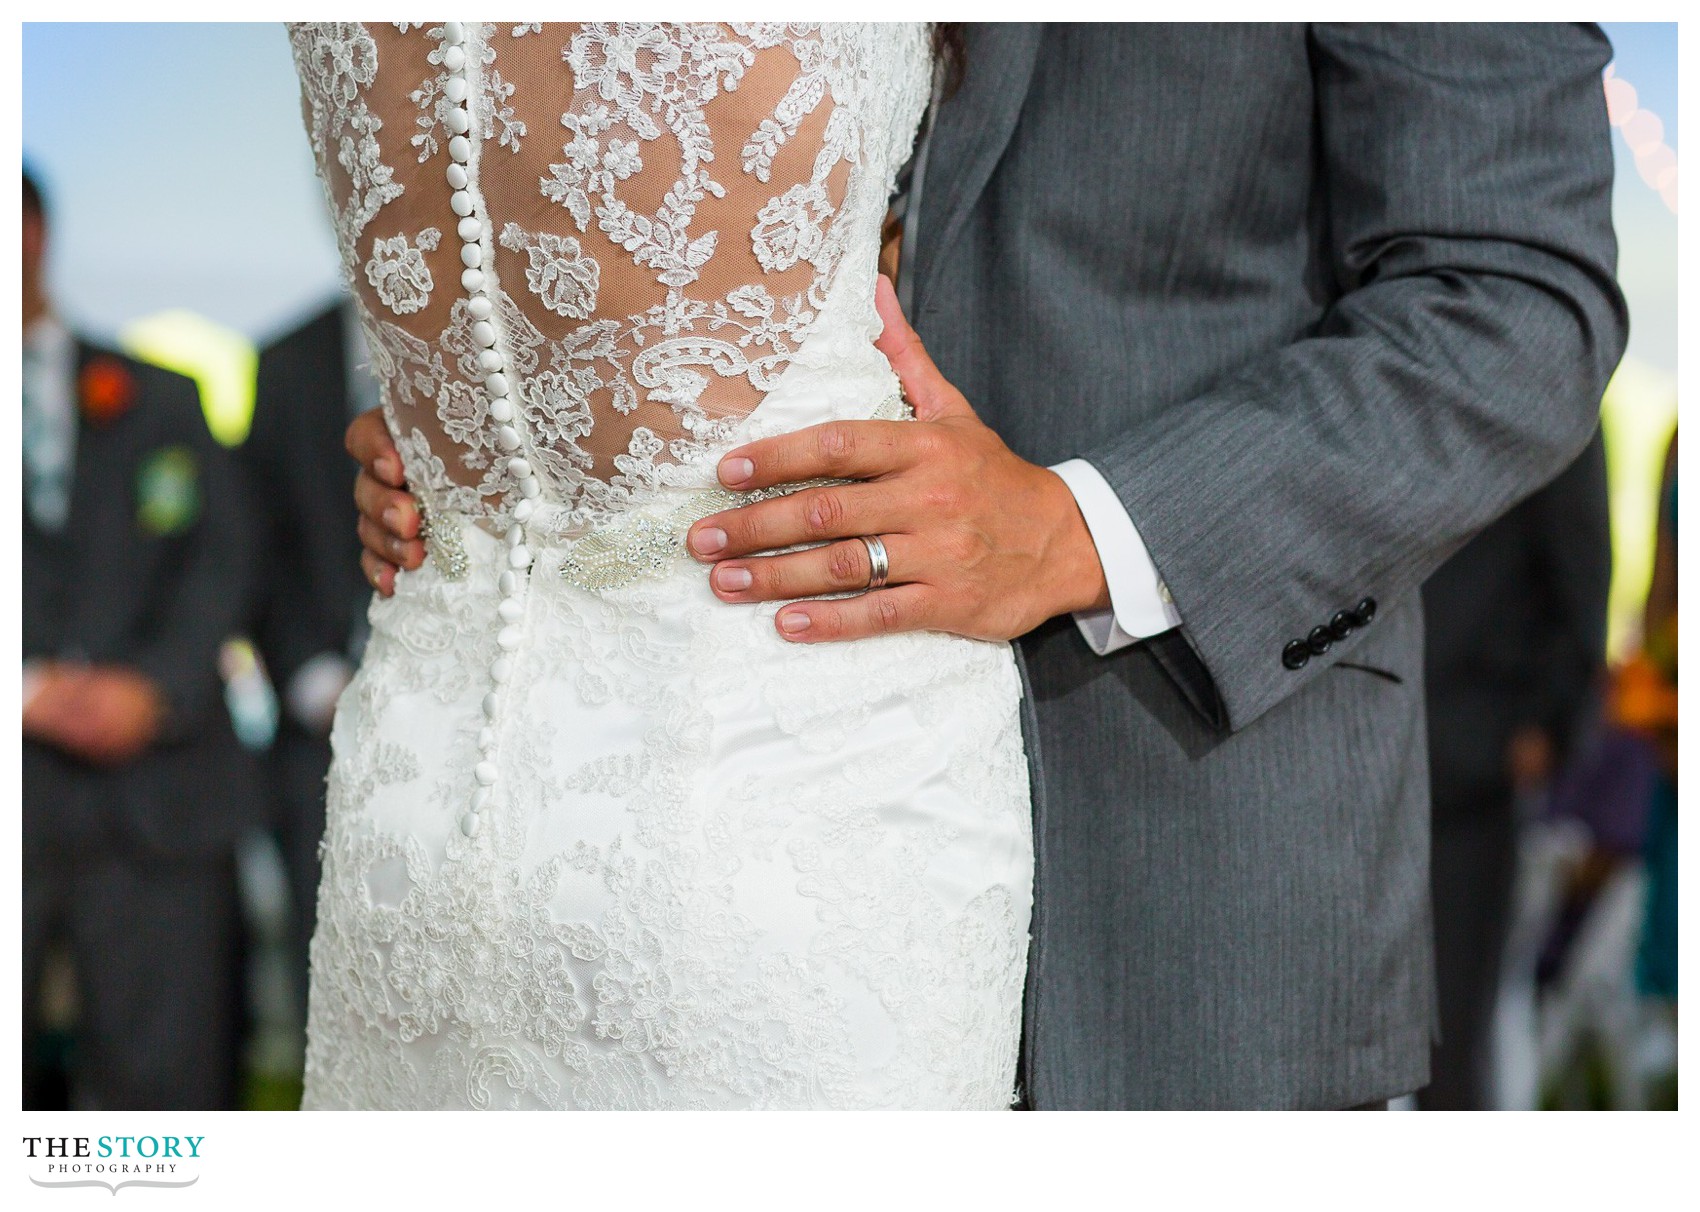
<point>101,497</point>
<point>970,133</point>
<point>88,478</point>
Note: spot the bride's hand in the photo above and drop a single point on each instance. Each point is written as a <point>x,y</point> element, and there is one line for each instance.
<point>981,542</point>
<point>389,520</point>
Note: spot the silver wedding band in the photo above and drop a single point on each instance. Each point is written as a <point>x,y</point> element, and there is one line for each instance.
<point>879,564</point>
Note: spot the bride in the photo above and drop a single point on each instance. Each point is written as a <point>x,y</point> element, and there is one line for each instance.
<point>597,839</point>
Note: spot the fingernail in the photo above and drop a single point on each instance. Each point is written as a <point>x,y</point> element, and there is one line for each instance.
<point>708,540</point>
<point>736,471</point>
<point>392,519</point>
<point>389,471</point>
<point>733,579</point>
<point>793,621</point>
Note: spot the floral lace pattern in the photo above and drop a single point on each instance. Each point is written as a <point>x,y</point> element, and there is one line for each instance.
<point>397,271</point>
<point>701,892</point>
<point>714,869</point>
<point>670,249</point>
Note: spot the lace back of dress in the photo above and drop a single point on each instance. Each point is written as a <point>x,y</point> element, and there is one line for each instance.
<point>663,210</point>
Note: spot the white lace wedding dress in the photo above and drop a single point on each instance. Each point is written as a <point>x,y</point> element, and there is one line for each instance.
<point>597,839</point>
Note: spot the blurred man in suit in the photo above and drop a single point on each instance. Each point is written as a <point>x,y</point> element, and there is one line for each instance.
<point>311,605</point>
<point>134,786</point>
<point>1515,647</point>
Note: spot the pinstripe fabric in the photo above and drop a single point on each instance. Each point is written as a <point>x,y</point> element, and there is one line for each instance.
<point>1320,303</point>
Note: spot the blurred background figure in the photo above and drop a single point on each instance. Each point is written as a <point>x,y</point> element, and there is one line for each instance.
<point>1516,636</point>
<point>134,785</point>
<point>1646,704</point>
<point>1600,882</point>
<point>310,617</point>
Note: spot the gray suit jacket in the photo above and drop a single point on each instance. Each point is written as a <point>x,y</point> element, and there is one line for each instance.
<point>110,589</point>
<point>1320,303</point>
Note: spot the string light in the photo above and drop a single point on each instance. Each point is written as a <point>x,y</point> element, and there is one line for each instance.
<point>1644,132</point>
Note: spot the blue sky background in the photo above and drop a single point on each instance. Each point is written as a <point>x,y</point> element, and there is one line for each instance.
<point>178,172</point>
<point>1646,229</point>
<point>193,186</point>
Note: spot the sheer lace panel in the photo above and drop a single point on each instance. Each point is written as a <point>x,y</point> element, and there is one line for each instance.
<point>662,207</point>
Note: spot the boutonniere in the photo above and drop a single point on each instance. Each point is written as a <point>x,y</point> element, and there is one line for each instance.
<point>168,491</point>
<point>107,389</point>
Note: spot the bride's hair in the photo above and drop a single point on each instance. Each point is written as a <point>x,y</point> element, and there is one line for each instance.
<point>950,50</point>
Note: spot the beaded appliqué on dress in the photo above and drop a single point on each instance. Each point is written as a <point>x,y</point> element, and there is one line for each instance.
<point>641,545</point>
<point>676,203</point>
<point>443,542</point>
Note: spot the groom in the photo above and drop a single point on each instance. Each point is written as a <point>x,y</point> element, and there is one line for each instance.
<point>1293,311</point>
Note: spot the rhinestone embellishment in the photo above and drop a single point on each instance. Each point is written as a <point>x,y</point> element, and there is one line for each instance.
<point>644,546</point>
<point>442,539</point>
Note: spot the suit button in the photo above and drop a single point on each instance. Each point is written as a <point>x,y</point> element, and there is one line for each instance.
<point>1365,613</point>
<point>1341,625</point>
<point>1319,641</point>
<point>1296,655</point>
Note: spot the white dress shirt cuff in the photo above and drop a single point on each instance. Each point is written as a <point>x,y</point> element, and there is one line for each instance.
<point>1140,606</point>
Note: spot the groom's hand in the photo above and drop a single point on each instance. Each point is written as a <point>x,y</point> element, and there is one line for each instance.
<point>980,542</point>
<point>389,519</point>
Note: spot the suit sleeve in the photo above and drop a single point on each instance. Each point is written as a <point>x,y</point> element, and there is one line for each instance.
<point>1466,178</point>
<point>209,599</point>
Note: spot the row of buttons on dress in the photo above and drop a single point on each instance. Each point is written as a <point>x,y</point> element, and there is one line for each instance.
<point>474,230</point>
<point>1296,655</point>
